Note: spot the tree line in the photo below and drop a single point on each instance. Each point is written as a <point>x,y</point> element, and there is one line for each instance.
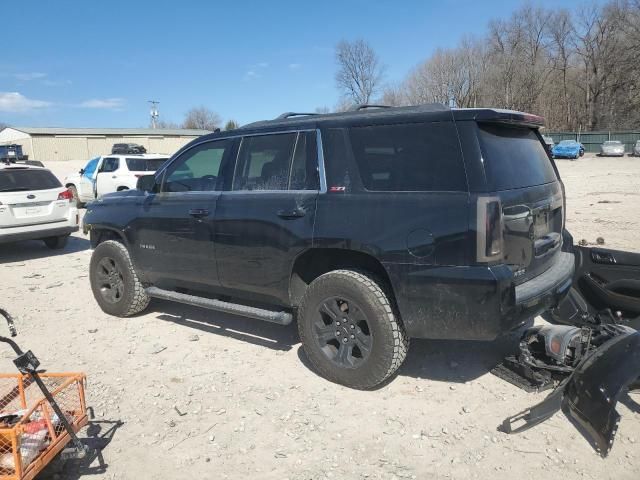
<point>580,69</point>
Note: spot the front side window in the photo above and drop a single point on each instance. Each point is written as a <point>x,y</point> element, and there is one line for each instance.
<point>409,157</point>
<point>264,162</point>
<point>198,169</point>
<point>109,165</point>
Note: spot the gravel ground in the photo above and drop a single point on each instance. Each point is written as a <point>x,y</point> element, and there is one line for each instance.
<point>181,392</point>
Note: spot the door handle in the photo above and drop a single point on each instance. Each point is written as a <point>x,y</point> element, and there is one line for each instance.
<point>295,213</point>
<point>114,176</point>
<point>198,212</point>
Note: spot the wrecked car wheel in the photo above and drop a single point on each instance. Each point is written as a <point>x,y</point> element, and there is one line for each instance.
<point>114,282</point>
<point>350,330</point>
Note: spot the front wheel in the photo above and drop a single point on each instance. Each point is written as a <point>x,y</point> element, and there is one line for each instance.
<point>350,330</point>
<point>114,282</point>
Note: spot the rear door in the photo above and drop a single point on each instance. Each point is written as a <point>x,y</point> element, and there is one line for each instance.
<point>30,197</point>
<point>520,173</point>
<point>267,217</point>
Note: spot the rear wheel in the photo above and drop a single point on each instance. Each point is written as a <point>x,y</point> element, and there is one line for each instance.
<point>56,243</point>
<point>350,330</point>
<point>114,282</point>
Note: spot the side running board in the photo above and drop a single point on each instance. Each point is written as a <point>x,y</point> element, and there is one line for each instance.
<point>281,318</point>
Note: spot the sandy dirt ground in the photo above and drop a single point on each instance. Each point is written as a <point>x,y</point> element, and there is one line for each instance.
<point>180,392</point>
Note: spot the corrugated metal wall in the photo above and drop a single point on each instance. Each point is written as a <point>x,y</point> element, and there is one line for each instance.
<point>64,147</point>
<point>593,140</point>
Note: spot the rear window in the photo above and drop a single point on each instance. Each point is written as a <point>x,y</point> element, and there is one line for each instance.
<point>409,157</point>
<point>145,164</point>
<point>514,157</point>
<point>13,180</point>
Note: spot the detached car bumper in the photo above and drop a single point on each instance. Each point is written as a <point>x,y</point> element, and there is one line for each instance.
<point>474,303</point>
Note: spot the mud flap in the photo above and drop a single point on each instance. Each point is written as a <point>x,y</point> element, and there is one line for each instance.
<point>589,395</point>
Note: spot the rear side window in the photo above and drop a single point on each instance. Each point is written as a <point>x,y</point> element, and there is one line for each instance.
<point>409,157</point>
<point>144,164</point>
<point>18,180</point>
<point>264,162</point>
<point>514,157</point>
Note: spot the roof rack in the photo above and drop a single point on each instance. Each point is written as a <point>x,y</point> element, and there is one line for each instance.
<point>364,106</point>
<point>293,114</point>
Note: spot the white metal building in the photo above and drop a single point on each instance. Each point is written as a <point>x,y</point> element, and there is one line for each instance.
<point>83,143</point>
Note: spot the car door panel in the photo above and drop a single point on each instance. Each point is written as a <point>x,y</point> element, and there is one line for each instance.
<point>86,190</point>
<point>609,278</point>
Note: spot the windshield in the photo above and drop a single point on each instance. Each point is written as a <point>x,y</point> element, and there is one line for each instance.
<point>613,142</point>
<point>14,180</point>
<point>145,164</point>
<point>514,157</point>
<point>568,143</point>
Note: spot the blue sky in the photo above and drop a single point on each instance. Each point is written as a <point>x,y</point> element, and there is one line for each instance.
<point>95,64</point>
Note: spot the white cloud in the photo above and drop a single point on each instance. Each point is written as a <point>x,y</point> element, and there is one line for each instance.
<point>262,65</point>
<point>56,83</point>
<point>251,75</point>
<point>295,66</point>
<point>28,76</point>
<point>104,103</point>
<point>15,102</point>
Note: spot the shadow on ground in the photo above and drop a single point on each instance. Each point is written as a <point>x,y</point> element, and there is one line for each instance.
<point>244,329</point>
<point>96,438</point>
<point>33,249</point>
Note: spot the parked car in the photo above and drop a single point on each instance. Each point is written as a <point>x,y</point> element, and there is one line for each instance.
<point>612,148</point>
<point>371,227</point>
<point>35,206</point>
<point>549,143</point>
<point>127,148</point>
<point>636,149</point>
<point>568,149</point>
<point>111,173</point>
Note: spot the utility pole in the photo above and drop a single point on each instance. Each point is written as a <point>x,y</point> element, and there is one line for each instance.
<point>154,112</point>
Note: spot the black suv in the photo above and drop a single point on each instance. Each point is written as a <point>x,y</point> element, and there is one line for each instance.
<point>370,227</point>
<point>127,148</point>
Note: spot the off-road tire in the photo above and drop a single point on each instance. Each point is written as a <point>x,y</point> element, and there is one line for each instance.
<point>74,192</point>
<point>389,339</point>
<point>56,243</point>
<point>134,299</point>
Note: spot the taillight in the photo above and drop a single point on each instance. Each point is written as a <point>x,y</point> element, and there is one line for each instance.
<point>490,241</point>
<point>66,195</point>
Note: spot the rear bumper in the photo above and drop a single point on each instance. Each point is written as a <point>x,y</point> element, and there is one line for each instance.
<point>474,303</point>
<point>37,234</point>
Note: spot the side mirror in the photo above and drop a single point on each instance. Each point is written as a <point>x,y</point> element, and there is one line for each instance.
<point>81,172</point>
<point>146,183</point>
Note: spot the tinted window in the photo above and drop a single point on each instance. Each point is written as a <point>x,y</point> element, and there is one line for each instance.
<point>409,157</point>
<point>144,164</point>
<point>197,169</point>
<point>304,167</point>
<point>263,162</point>
<point>109,165</point>
<point>16,180</point>
<point>514,157</point>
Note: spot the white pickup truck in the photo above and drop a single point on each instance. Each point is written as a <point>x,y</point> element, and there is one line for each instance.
<point>111,173</point>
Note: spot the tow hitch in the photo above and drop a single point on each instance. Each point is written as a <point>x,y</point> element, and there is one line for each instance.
<point>590,366</point>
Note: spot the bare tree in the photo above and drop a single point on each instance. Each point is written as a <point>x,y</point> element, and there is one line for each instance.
<point>166,124</point>
<point>201,118</point>
<point>231,125</point>
<point>360,71</point>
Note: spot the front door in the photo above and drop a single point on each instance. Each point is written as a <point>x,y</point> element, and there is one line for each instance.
<point>106,180</point>
<point>265,220</point>
<point>174,230</point>
<point>86,190</point>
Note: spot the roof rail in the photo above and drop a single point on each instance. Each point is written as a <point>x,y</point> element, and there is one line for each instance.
<point>293,114</point>
<point>364,106</point>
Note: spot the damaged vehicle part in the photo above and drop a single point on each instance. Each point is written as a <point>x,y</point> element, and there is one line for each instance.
<point>589,395</point>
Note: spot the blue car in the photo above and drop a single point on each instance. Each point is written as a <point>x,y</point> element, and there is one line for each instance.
<point>568,149</point>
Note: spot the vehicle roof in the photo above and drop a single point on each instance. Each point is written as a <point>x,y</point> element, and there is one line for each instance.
<point>612,141</point>
<point>427,112</point>
<point>13,166</point>
<point>137,155</point>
